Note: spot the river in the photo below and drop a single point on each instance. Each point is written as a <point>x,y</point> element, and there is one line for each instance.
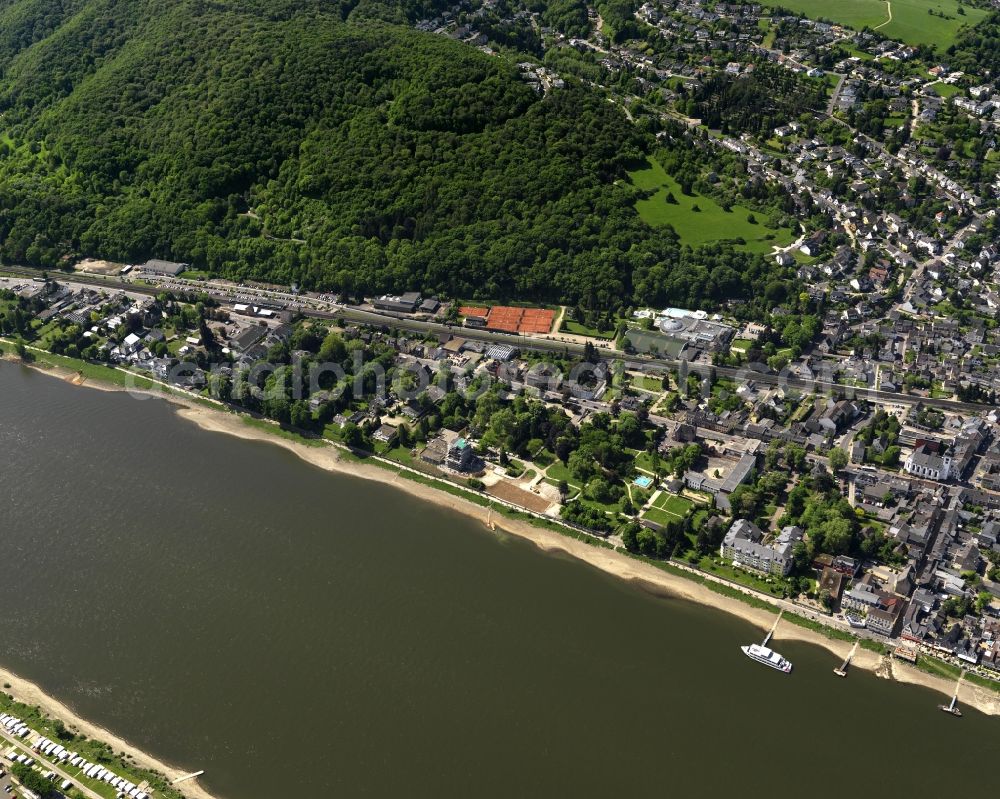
<point>227,607</point>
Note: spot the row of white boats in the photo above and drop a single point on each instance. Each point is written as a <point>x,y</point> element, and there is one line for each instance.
<point>59,755</point>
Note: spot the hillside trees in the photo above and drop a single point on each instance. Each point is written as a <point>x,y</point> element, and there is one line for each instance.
<point>309,142</point>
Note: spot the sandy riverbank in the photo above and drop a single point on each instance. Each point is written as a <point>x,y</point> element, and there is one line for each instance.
<point>29,693</point>
<point>612,562</point>
<point>618,564</point>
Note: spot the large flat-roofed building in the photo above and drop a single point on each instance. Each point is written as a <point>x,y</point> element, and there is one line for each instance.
<point>158,267</point>
<point>402,303</point>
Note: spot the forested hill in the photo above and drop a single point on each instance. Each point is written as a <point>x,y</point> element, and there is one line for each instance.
<point>307,141</point>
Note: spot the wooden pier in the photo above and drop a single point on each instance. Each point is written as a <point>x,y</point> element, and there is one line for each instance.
<point>953,707</point>
<point>842,671</point>
<point>774,627</point>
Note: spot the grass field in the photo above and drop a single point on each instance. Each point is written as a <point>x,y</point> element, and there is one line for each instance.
<point>659,517</point>
<point>668,508</point>
<point>938,667</point>
<point>912,24</point>
<point>946,89</point>
<point>677,506</point>
<point>557,471</point>
<point>570,326</point>
<point>910,21</point>
<point>648,383</point>
<point>709,225</point>
<point>856,13</point>
<point>643,460</point>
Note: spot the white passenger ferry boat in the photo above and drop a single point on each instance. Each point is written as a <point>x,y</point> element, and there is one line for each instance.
<point>767,656</point>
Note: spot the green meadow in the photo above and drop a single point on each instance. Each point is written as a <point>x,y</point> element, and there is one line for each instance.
<point>710,224</point>
<point>946,89</point>
<point>911,23</point>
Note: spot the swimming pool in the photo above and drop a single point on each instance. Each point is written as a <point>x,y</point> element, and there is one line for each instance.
<point>643,482</point>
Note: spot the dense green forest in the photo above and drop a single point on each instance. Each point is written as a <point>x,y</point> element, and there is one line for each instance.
<point>567,16</point>
<point>977,50</point>
<point>316,142</point>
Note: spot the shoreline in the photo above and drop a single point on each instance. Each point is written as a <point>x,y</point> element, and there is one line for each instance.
<point>330,458</point>
<point>613,562</point>
<point>30,693</point>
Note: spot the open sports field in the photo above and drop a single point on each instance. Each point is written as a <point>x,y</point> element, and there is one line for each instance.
<point>906,20</point>
<point>712,223</point>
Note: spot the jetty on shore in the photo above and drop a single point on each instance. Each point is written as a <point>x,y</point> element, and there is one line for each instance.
<point>842,671</point>
<point>770,633</point>
<point>953,707</point>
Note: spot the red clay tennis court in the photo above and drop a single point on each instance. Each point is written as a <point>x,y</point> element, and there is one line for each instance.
<point>537,320</point>
<point>520,320</point>
<point>508,319</point>
<point>504,318</point>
